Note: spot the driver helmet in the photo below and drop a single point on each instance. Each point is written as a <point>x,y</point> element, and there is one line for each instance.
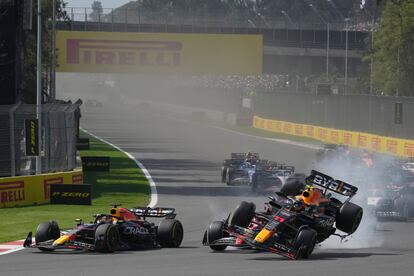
<point>311,196</point>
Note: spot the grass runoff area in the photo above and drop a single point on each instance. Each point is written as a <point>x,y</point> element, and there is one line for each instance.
<point>125,184</point>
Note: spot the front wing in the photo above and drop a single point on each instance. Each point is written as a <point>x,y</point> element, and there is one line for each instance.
<point>248,236</point>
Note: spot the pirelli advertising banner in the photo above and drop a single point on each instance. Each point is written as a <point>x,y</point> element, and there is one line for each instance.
<point>159,53</point>
<point>382,144</point>
<point>33,189</point>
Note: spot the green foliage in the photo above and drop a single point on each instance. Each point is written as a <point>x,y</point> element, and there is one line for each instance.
<point>393,54</point>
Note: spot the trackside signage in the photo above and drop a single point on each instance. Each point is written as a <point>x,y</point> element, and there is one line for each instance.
<point>31,136</point>
<point>156,53</point>
<point>33,189</point>
<point>71,194</point>
<point>96,163</point>
<point>388,145</point>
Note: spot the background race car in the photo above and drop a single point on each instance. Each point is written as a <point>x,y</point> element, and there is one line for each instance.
<point>239,170</point>
<point>122,229</point>
<point>271,176</point>
<point>393,202</point>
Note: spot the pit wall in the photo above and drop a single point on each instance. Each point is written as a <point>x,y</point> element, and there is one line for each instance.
<point>388,145</point>
<point>33,189</point>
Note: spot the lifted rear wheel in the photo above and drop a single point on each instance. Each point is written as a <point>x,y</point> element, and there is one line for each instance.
<point>243,214</point>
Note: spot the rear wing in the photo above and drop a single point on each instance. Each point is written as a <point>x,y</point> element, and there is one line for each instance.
<point>159,212</point>
<point>327,182</point>
<point>236,155</point>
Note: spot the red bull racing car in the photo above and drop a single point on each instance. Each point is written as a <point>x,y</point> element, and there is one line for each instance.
<point>297,219</point>
<point>122,229</point>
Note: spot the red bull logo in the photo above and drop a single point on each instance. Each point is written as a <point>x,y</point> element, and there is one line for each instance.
<point>123,52</point>
<point>12,192</point>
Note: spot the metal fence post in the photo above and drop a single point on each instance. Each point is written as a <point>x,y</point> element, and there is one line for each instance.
<point>12,140</point>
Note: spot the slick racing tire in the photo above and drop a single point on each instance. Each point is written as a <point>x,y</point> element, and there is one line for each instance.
<point>215,232</point>
<point>223,174</point>
<point>48,230</point>
<point>349,217</point>
<point>292,187</point>
<point>107,238</point>
<point>229,176</point>
<point>170,233</point>
<point>243,214</point>
<point>402,208</point>
<point>305,243</point>
<point>256,182</point>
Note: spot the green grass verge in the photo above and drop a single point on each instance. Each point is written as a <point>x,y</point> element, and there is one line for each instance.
<point>125,183</point>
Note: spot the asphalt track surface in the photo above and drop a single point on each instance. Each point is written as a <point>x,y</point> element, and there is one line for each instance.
<point>184,159</point>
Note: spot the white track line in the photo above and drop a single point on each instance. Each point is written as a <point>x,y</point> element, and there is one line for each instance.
<point>283,141</point>
<point>154,193</point>
<point>13,248</point>
<point>275,140</point>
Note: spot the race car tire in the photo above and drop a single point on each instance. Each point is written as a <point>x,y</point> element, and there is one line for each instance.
<point>229,176</point>
<point>305,243</point>
<point>255,182</point>
<point>170,233</point>
<point>349,217</point>
<point>215,232</point>
<point>107,238</point>
<point>243,214</point>
<point>292,188</point>
<point>402,208</point>
<point>48,230</point>
<point>223,174</point>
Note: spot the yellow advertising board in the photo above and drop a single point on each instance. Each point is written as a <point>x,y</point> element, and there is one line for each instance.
<point>159,53</point>
<point>373,142</point>
<point>33,189</point>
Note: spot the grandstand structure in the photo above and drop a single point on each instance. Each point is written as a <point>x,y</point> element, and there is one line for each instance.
<point>288,47</point>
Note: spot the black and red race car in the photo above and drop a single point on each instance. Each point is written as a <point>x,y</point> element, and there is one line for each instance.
<point>122,229</point>
<point>293,222</point>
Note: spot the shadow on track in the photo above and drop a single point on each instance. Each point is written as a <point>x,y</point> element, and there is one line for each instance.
<point>205,191</point>
<point>328,256</point>
<point>180,164</point>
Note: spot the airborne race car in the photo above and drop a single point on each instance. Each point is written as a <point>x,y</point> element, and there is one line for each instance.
<point>289,226</point>
<point>122,229</point>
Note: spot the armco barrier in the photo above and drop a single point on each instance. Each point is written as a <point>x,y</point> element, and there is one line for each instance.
<point>373,142</point>
<point>33,189</point>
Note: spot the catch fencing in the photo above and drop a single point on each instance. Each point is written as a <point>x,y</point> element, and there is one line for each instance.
<point>59,136</point>
<point>362,113</point>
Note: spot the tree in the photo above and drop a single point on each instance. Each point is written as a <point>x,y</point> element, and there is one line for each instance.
<point>28,53</point>
<point>97,11</point>
<point>393,52</point>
